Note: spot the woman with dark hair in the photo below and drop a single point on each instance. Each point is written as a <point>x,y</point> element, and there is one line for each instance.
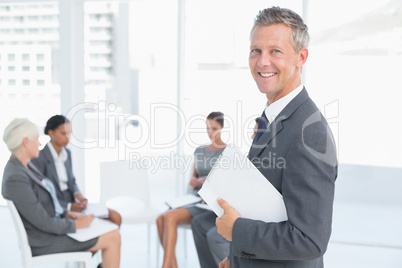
<point>54,162</point>
<point>205,158</point>
<point>46,222</point>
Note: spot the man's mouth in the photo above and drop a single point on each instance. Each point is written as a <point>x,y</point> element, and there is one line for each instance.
<point>267,74</point>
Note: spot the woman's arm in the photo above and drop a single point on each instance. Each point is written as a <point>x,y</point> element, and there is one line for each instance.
<point>20,189</point>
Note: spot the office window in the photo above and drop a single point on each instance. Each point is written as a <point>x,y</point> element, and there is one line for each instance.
<point>19,31</point>
<point>40,68</point>
<point>33,31</point>
<point>48,18</point>
<point>22,39</point>
<point>5,18</point>
<point>11,68</point>
<point>365,43</point>
<point>19,19</point>
<point>40,57</point>
<point>33,18</point>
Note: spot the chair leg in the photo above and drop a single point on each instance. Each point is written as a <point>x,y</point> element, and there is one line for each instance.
<point>157,251</point>
<point>185,242</point>
<point>149,238</point>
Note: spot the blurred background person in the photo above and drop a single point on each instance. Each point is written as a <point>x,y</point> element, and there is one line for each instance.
<point>205,158</point>
<point>45,220</point>
<point>55,163</point>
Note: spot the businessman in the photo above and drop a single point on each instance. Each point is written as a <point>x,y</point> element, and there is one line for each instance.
<point>292,129</point>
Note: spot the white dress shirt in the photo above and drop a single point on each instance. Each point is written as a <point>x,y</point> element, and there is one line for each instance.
<point>272,110</point>
<point>59,162</point>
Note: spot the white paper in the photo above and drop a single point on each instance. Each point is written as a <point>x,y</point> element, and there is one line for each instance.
<point>203,206</point>
<point>183,201</point>
<point>97,228</point>
<point>236,180</point>
<point>97,209</point>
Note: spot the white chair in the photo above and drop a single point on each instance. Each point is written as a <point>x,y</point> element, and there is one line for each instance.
<point>125,188</point>
<point>29,261</point>
<point>186,189</point>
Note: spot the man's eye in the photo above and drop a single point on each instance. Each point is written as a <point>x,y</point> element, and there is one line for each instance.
<point>276,51</point>
<point>255,51</point>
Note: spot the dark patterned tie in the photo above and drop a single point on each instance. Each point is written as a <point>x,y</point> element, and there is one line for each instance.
<point>262,126</point>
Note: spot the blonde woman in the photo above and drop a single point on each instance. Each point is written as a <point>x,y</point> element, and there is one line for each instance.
<point>45,220</point>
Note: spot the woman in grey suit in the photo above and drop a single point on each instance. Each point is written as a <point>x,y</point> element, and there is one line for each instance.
<point>205,157</point>
<point>45,220</point>
<point>54,162</point>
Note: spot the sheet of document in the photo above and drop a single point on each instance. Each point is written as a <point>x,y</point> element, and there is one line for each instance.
<point>203,206</point>
<point>98,227</point>
<point>97,209</point>
<point>182,201</point>
<point>236,180</point>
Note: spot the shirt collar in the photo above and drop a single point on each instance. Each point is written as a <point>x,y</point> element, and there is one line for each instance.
<point>272,110</point>
<point>57,157</point>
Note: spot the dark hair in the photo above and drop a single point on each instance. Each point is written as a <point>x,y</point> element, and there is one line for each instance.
<point>257,120</point>
<point>217,117</point>
<point>54,122</point>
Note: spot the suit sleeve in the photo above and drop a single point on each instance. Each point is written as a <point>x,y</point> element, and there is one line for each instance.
<point>20,191</point>
<point>308,193</point>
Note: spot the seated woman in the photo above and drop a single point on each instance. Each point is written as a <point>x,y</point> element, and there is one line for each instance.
<point>54,162</point>
<point>205,158</point>
<point>44,219</point>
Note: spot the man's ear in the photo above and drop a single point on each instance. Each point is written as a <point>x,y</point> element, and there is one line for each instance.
<point>303,55</point>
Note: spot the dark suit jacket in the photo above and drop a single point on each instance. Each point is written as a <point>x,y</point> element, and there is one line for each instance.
<point>297,155</point>
<point>34,204</point>
<point>46,166</point>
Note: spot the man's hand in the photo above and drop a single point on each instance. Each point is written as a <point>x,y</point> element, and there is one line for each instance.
<point>224,263</point>
<point>84,221</point>
<point>225,223</point>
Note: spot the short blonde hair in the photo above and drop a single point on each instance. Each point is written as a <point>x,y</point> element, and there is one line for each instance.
<point>17,130</point>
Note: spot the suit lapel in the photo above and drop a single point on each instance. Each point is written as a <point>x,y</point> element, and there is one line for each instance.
<point>26,171</point>
<point>51,167</point>
<point>68,166</point>
<point>276,126</point>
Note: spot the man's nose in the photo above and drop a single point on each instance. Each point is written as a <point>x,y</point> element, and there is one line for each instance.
<point>264,60</point>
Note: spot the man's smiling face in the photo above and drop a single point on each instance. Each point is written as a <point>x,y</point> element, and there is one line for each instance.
<point>273,62</point>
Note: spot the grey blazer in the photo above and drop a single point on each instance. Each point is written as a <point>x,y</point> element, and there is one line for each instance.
<point>46,166</point>
<point>297,155</point>
<point>34,204</point>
